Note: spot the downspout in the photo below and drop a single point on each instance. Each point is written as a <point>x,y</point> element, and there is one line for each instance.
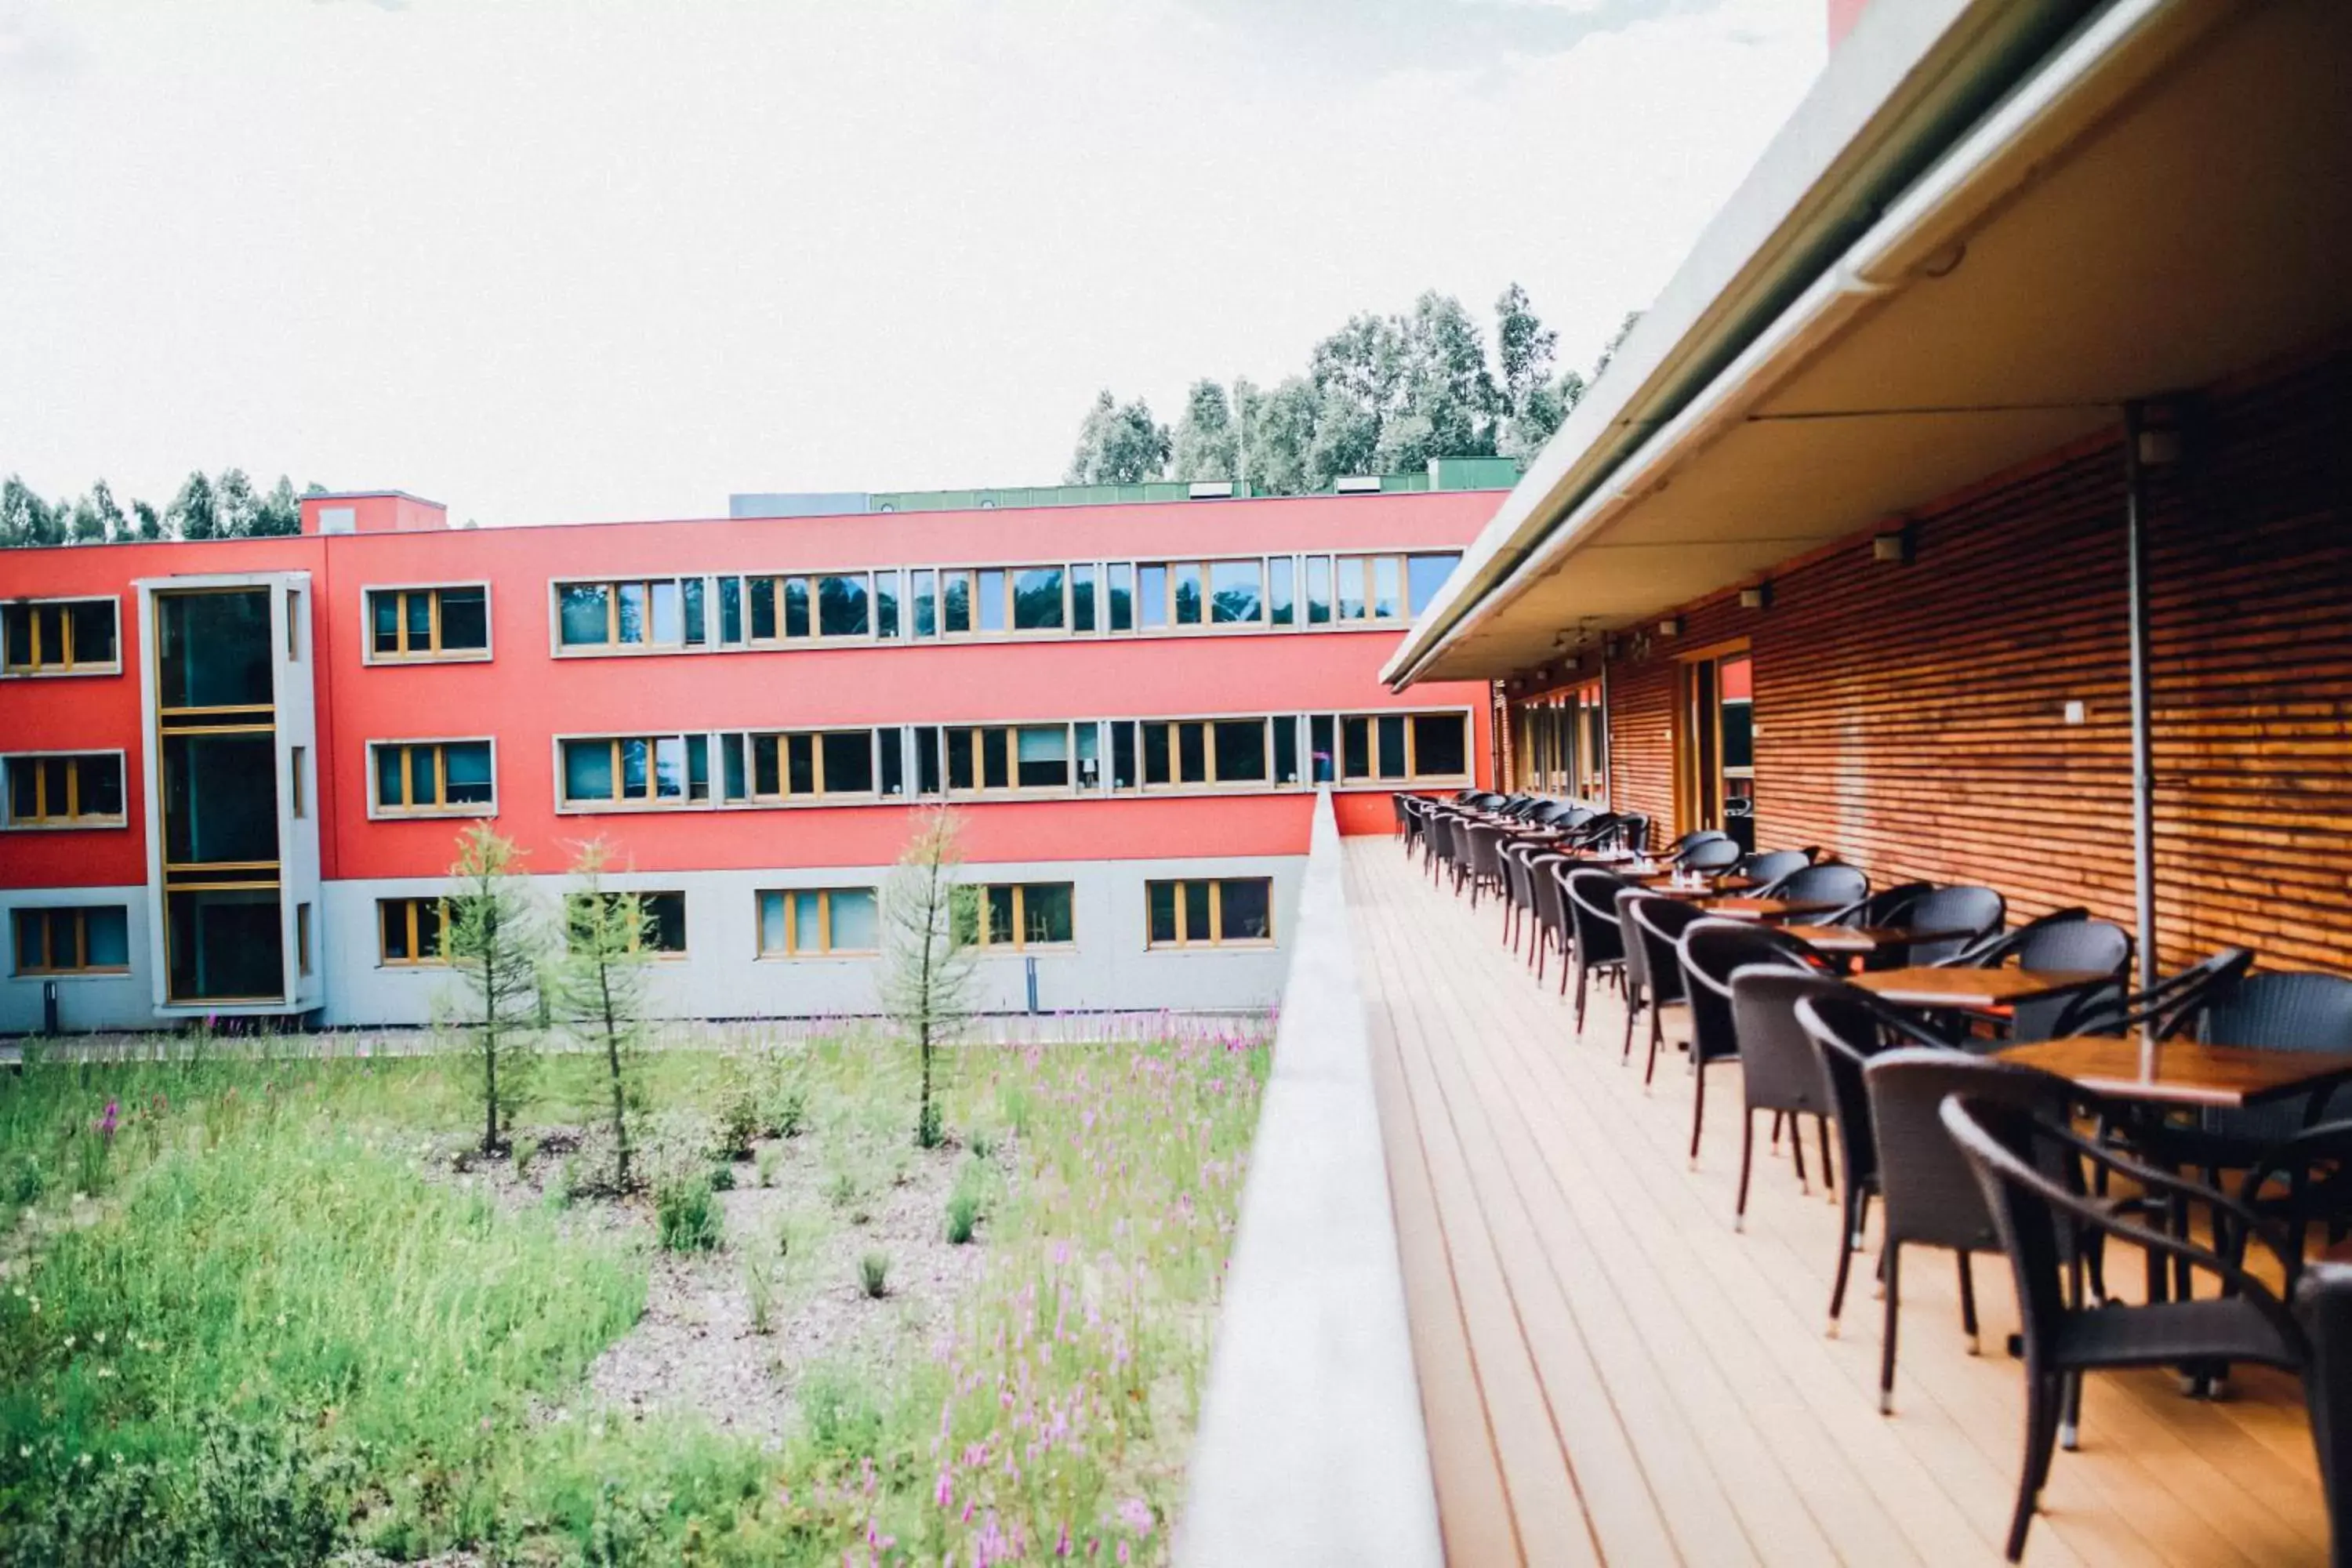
<point>2143,738</point>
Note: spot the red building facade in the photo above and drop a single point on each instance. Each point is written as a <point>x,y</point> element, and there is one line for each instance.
<point>236,770</point>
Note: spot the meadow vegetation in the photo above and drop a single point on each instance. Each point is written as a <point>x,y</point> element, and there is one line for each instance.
<point>264,1312</point>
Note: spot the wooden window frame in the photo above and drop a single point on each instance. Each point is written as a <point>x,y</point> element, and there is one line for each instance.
<point>1011,789</point>
<point>50,969</point>
<point>784,794</point>
<point>1215,938</point>
<point>825,948</point>
<point>44,820</point>
<point>1412,777</point>
<point>612,646</point>
<point>408,905</point>
<point>464,810</point>
<point>652,800</point>
<point>42,667</point>
<point>1689,785</point>
<point>645,897</point>
<point>433,652</point>
<point>984,940</point>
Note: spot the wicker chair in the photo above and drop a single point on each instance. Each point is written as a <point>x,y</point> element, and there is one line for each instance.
<point>1931,1198</point>
<point>2037,1216</point>
<point>1551,933</point>
<point>1977,911</point>
<point>1777,1070</point>
<point>1712,951</point>
<point>1830,884</point>
<point>1596,942</point>
<point>1771,865</point>
<point>1709,855</point>
<point>1485,847</point>
<point>1654,965</point>
<point>1847,1028</point>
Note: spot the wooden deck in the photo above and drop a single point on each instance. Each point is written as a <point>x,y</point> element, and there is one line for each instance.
<point>1610,1372</point>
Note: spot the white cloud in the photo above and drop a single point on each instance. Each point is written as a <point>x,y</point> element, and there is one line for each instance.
<point>543,261</point>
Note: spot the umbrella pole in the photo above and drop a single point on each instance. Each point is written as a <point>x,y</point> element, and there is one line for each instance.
<point>2142,737</point>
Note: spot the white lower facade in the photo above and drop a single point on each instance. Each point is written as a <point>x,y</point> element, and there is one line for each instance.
<point>1109,965</point>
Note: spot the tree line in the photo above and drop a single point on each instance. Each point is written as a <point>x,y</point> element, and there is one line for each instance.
<point>225,506</point>
<point>1382,394</point>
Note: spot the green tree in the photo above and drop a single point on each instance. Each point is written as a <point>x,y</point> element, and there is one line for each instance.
<point>279,512</point>
<point>150,522</point>
<point>26,518</point>
<point>1278,430</point>
<point>194,514</point>
<point>1204,446</point>
<point>1523,350</point>
<point>927,975</point>
<point>1118,445</point>
<point>597,988</point>
<point>492,939</point>
<point>112,526</point>
<point>235,505</point>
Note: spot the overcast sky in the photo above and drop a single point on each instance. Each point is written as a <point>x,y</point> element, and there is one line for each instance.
<point>557,261</point>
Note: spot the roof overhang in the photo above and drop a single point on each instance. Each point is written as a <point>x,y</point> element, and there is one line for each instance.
<point>2157,199</point>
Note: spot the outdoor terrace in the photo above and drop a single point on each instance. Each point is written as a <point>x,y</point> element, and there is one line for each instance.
<point>1610,1372</point>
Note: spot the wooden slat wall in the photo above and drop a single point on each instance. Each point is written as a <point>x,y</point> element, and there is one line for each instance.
<point>1911,718</point>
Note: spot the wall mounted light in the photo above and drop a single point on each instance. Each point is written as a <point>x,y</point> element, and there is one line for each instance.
<point>1893,547</point>
<point>1672,627</point>
<point>1758,597</point>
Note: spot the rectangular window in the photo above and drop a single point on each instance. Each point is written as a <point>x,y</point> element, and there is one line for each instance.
<point>639,612</point>
<point>1000,757</point>
<point>1186,576</point>
<point>763,593</point>
<point>694,625</point>
<point>1236,593</point>
<point>886,603</point>
<point>1388,588</point>
<point>844,606</point>
<point>926,595</point>
<point>927,759</point>
<point>890,746</point>
<point>1419,748</point>
<point>1042,756</point>
<point>1123,773</point>
<point>434,778</point>
<point>1319,590</point>
<point>1225,911</point>
<point>811,922</point>
<point>988,597</point>
<point>1082,598</point>
<point>1425,575</point>
<point>80,790</point>
<point>1353,586</point>
<point>293,625</point>
<point>60,636</point>
<point>91,940</point>
<point>955,604</point>
<point>1239,751</point>
<point>1038,599</point>
<point>797,765</point>
<point>663,919</point>
<point>298,788</point>
<point>730,610</point>
<point>302,939</point>
<point>1020,915</point>
<point>1120,583</point>
<point>1150,596</point>
<point>635,770</point>
<point>796,606</point>
<point>1279,571</point>
<point>1286,747</point>
<point>408,931</point>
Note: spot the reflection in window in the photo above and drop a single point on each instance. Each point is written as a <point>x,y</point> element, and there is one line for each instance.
<point>1235,592</point>
<point>813,922</point>
<point>1038,599</point>
<point>86,939</point>
<point>1425,575</point>
<point>1020,915</point>
<point>59,635</point>
<point>1221,911</point>
<point>82,790</point>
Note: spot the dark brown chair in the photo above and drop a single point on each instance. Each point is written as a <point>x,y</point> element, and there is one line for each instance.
<point>1654,964</point>
<point>2028,1171</point>
<point>1551,933</point>
<point>1847,1028</point>
<point>1778,1069</point>
<point>1596,942</point>
<point>1712,950</point>
<point>1930,1197</point>
<point>1484,846</point>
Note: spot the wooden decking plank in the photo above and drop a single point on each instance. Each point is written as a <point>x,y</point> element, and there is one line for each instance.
<point>1537,1471</point>
<point>1685,1488</point>
<point>1600,1236</point>
<point>1474,1506</point>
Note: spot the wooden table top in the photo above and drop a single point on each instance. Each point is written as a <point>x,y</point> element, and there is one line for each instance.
<point>1762,909</point>
<point>2187,1073</point>
<point>1928,986</point>
<point>1662,884</point>
<point>1867,939</point>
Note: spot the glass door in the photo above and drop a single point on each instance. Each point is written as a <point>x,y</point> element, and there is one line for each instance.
<point>1714,752</point>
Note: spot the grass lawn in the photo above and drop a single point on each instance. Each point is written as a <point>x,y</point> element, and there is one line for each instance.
<point>268,1311</point>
